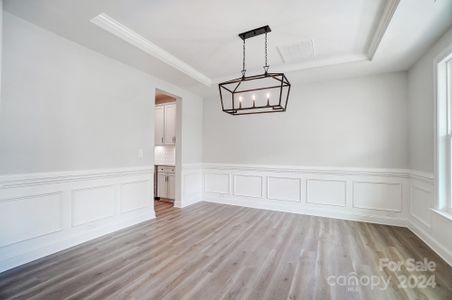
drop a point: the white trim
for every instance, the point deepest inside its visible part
(378, 183)
(29, 179)
(428, 228)
(413, 213)
(404, 173)
(70, 233)
(311, 211)
(422, 176)
(427, 238)
(381, 27)
(442, 183)
(118, 29)
(442, 213)
(234, 184)
(268, 191)
(326, 180)
(346, 176)
(109, 24)
(379, 31)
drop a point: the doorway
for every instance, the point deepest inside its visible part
(165, 151)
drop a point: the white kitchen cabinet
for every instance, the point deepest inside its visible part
(162, 186)
(165, 124)
(159, 124)
(171, 186)
(170, 124)
(166, 182)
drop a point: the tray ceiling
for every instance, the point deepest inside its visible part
(195, 43)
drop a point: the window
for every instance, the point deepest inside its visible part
(448, 90)
(444, 133)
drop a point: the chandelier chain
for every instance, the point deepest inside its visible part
(266, 67)
(243, 63)
(266, 46)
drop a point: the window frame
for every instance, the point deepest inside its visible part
(443, 130)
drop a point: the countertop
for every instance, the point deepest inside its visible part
(165, 165)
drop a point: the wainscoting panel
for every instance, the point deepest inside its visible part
(385, 196)
(284, 188)
(135, 195)
(192, 185)
(248, 186)
(421, 203)
(326, 192)
(429, 224)
(92, 204)
(216, 183)
(41, 214)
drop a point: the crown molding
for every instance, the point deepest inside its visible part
(114, 27)
(109, 24)
(378, 31)
(381, 27)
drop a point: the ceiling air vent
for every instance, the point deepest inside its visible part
(301, 50)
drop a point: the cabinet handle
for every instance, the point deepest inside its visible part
(174, 139)
(162, 139)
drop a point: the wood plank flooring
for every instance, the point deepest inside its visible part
(211, 251)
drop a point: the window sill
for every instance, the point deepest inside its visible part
(445, 214)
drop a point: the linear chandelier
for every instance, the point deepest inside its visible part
(256, 94)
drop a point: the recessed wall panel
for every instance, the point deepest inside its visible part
(29, 217)
(420, 204)
(377, 196)
(92, 204)
(135, 195)
(326, 192)
(216, 183)
(248, 186)
(284, 189)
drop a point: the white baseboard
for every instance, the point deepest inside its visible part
(313, 212)
(436, 246)
(44, 213)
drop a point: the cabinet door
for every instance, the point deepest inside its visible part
(171, 187)
(159, 125)
(170, 124)
(162, 186)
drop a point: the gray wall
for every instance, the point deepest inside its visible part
(421, 107)
(357, 122)
(65, 107)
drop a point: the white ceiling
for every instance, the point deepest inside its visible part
(193, 43)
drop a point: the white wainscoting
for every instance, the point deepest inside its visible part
(394, 197)
(44, 213)
(326, 192)
(379, 196)
(385, 196)
(432, 227)
(191, 187)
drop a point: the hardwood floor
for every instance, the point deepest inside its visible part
(212, 251)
